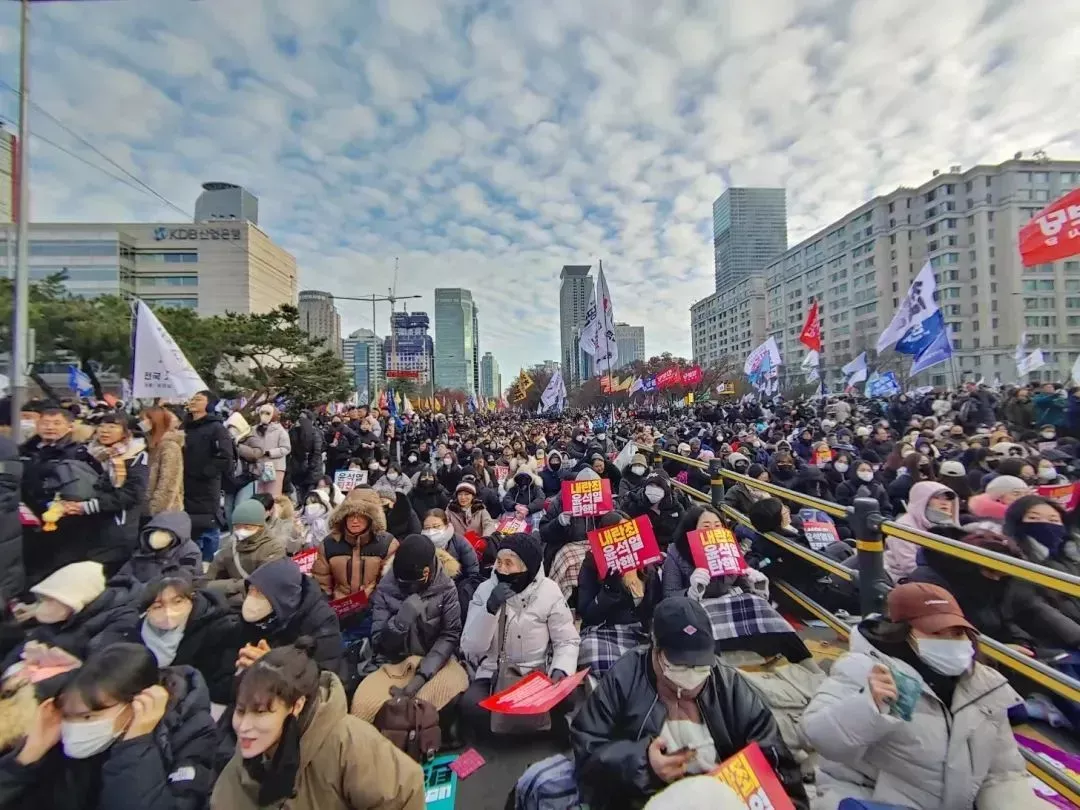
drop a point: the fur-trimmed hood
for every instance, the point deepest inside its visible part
(364, 502)
(522, 470)
(449, 564)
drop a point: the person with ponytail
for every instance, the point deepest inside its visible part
(296, 744)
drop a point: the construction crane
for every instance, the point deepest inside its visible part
(392, 297)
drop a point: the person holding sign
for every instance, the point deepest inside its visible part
(670, 710)
(681, 575)
(909, 717)
(657, 499)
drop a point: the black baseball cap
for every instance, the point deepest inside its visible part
(683, 632)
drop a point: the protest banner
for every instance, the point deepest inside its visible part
(1053, 233)
(305, 560)
(717, 551)
(668, 377)
(533, 694)
(692, 376)
(587, 498)
(348, 480)
(501, 472)
(819, 529)
(440, 783)
(1064, 495)
(1063, 760)
(749, 774)
(626, 546)
(823, 455)
(348, 605)
(513, 524)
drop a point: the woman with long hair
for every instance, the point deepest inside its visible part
(165, 452)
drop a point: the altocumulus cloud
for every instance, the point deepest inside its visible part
(487, 142)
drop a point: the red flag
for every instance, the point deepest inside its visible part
(810, 336)
(1053, 233)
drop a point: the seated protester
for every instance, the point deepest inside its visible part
(782, 468)
(438, 530)
(914, 468)
(401, 518)
(1048, 473)
(352, 556)
(427, 493)
(298, 747)
(467, 514)
(281, 605)
(737, 495)
(329, 492)
(604, 468)
(121, 735)
(449, 472)
(811, 481)
(616, 612)
(559, 529)
(633, 477)
(1039, 526)
(487, 496)
(671, 710)
(517, 618)
(956, 750)
(78, 611)
(116, 508)
(953, 475)
(994, 502)
(280, 520)
(189, 627)
(415, 630)
(165, 545)
(657, 500)
(836, 471)
(525, 495)
(314, 520)
(551, 474)
(860, 475)
(242, 551)
(679, 564)
(932, 506)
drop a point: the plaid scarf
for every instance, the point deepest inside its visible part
(738, 615)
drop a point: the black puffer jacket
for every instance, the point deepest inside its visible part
(171, 768)
(12, 573)
(425, 497)
(181, 556)
(664, 517)
(212, 639)
(611, 734)
(608, 603)
(434, 635)
(209, 454)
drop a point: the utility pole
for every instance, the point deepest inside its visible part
(20, 333)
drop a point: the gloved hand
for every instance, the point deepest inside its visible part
(757, 582)
(557, 675)
(699, 581)
(564, 518)
(411, 688)
(411, 609)
(499, 594)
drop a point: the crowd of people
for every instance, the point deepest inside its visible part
(204, 612)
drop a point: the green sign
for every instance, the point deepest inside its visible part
(440, 783)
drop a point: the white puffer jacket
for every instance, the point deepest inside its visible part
(932, 762)
(536, 619)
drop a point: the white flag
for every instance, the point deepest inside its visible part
(1076, 371)
(554, 393)
(161, 370)
(856, 370)
(917, 306)
(1033, 362)
(810, 365)
(598, 333)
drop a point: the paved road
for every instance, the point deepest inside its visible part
(507, 759)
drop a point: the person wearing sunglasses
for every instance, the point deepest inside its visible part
(930, 506)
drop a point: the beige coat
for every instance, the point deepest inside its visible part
(345, 764)
(165, 488)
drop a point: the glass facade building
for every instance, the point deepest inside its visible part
(749, 231)
(455, 340)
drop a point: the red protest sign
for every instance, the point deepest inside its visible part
(626, 546)
(501, 472)
(305, 560)
(751, 776)
(587, 498)
(717, 551)
(512, 524)
(533, 694)
(819, 529)
(1064, 495)
(1053, 233)
(667, 378)
(692, 376)
(823, 455)
(348, 605)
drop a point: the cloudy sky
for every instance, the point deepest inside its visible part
(488, 142)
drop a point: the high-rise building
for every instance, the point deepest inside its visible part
(490, 378)
(320, 319)
(728, 324)
(476, 348)
(226, 202)
(362, 353)
(965, 223)
(630, 341)
(749, 231)
(409, 351)
(8, 192)
(455, 340)
(575, 293)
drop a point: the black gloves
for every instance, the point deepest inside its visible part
(557, 675)
(499, 594)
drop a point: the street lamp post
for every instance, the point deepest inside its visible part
(20, 333)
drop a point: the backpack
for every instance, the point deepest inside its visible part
(412, 725)
(550, 784)
(70, 480)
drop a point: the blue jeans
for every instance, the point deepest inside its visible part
(209, 541)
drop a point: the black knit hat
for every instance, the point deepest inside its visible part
(415, 553)
(527, 549)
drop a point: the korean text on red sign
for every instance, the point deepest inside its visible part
(587, 498)
(717, 551)
(626, 546)
(1053, 233)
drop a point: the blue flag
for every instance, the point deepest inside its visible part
(79, 382)
(883, 385)
(918, 338)
(937, 352)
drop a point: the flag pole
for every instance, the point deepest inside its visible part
(821, 358)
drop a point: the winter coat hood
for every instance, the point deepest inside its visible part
(364, 502)
(919, 497)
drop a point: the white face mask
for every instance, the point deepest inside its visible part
(654, 494)
(439, 537)
(1047, 473)
(637, 469)
(865, 475)
(145, 426)
(265, 418)
(159, 539)
(840, 467)
(412, 459)
(391, 476)
(601, 436)
(255, 608)
(1049, 434)
(447, 462)
(27, 427)
(948, 656)
(85, 740)
(685, 678)
(243, 534)
(315, 510)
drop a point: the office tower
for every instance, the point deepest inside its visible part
(362, 354)
(409, 351)
(490, 379)
(749, 231)
(476, 348)
(575, 293)
(631, 343)
(455, 339)
(226, 202)
(320, 319)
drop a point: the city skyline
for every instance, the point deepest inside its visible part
(488, 145)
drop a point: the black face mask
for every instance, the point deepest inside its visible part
(554, 464)
(413, 586)
(517, 582)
